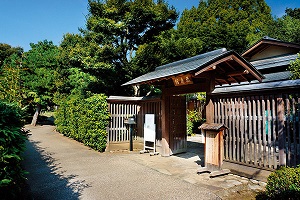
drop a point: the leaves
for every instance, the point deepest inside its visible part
(12, 143)
(230, 24)
(295, 68)
(84, 119)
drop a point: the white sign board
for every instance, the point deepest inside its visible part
(149, 132)
(149, 118)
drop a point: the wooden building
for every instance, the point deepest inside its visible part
(263, 118)
(251, 94)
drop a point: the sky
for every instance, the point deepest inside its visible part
(28, 21)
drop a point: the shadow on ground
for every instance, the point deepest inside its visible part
(45, 178)
(194, 149)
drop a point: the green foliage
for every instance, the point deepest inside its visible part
(12, 140)
(295, 68)
(114, 31)
(194, 120)
(84, 119)
(233, 24)
(283, 184)
(287, 27)
(41, 63)
(6, 51)
(11, 89)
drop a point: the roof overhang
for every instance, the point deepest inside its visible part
(266, 42)
(227, 66)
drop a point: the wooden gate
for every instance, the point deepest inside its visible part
(178, 138)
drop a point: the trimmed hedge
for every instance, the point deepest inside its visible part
(12, 144)
(84, 120)
(283, 184)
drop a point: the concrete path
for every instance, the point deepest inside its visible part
(61, 168)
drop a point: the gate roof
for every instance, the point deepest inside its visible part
(229, 66)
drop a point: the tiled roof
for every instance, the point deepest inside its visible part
(274, 62)
(179, 67)
(258, 87)
(274, 80)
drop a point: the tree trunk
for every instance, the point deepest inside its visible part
(36, 114)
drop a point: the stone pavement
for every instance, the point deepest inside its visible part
(184, 167)
(61, 168)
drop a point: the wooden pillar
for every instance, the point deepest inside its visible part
(165, 108)
(210, 111)
(281, 131)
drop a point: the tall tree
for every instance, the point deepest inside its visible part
(233, 24)
(118, 28)
(167, 47)
(39, 78)
(287, 28)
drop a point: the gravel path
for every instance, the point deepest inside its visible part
(61, 168)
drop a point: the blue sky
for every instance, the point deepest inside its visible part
(29, 21)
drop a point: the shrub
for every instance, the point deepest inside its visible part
(194, 120)
(284, 184)
(12, 143)
(84, 119)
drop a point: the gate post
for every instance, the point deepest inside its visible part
(165, 123)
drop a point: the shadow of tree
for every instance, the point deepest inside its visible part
(45, 178)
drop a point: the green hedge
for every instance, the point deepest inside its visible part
(84, 120)
(283, 184)
(12, 144)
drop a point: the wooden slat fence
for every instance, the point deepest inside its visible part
(119, 132)
(264, 130)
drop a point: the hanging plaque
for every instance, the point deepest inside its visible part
(182, 80)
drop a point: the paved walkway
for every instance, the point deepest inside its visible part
(61, 168)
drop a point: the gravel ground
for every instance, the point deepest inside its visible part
(61, 168)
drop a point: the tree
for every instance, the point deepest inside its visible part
(40, 75)
(11, 89)
(294, 13)
(295, 68)
(233, 24)
(115, 29)
(287, 28)
(167, 47)
(6, 51)
(80, 56)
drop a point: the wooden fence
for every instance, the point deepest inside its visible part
(264, 131)
(118, 132)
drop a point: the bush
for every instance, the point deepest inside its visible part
(284, 184)
(12, 144)
(194, 120)
(84, 119)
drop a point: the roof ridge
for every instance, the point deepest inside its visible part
(197, 57)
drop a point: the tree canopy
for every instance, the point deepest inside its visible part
(114, 31)
(233, 24)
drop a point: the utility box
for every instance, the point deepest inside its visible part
(214, 148)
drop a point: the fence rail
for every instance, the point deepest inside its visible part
(264, 130)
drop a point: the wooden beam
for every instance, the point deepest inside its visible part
(237, 73)
(247, 68)
(213, 65)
